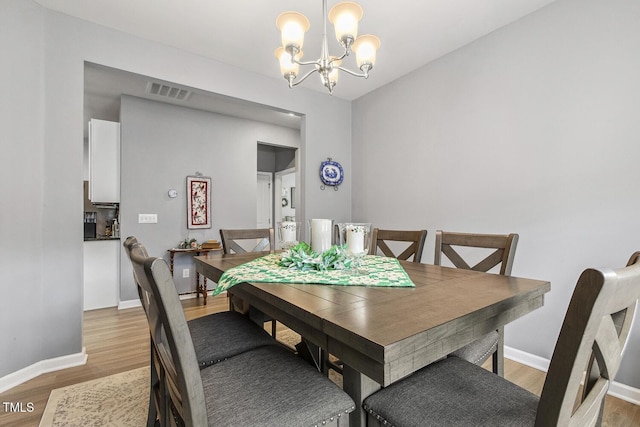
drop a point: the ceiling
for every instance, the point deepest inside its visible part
(243, 32)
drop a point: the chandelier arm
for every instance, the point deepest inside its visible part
(340, 58)
(317, 62)
(303, 78)
(353, 73)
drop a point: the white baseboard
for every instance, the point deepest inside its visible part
(42, 367)
(132, 303)
(616, 389)
(624, 392)
(531, 360)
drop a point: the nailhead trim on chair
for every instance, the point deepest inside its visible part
(324, 422)
(378, 416)
(484, 356)
(211, 362)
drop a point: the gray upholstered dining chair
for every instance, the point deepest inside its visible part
(454, 392)
(215, 337)
(380, 240)
(260, 387)
(490, 251)
(247, 240)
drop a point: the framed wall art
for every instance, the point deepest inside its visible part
(198, 202)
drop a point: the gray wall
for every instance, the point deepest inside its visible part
(23, 277)
(275, 159)
(266, 161)
(42, 118)
(285, 159)
(532, 129)
(161, 145)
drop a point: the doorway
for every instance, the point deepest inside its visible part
(278, 175)
(285, 186)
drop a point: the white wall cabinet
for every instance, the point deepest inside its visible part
(104, 161)
(101, 273)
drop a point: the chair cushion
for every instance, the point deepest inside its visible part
(270, 386)
(453, 392)
(221, 335)
(479, 350)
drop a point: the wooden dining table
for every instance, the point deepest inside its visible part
(382, 334)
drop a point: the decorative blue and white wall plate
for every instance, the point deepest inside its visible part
(331, 173)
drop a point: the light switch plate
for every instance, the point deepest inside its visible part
(147, 218)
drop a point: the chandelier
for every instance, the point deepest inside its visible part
(344, 16)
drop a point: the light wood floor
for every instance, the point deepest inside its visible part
(118, 341)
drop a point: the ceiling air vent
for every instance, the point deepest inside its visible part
(167, 91)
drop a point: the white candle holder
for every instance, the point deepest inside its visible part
(356, 237)
(289, 234)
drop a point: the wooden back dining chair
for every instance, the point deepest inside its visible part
(216, 336)
(502, 246)
(380, 240)
(156, 392)
(501, 249)
(454, 392)
(237, 241)
(267, 385)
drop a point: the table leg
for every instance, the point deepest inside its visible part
(359, 387)
(171, 263)
(202, 289)
(312, 354)
(198, 282)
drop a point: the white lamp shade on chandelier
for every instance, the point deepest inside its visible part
(334, 73)
(366, 48)
(292, 26)
(287, 66)
(345, 17)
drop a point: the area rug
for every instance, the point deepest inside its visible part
(119, 400)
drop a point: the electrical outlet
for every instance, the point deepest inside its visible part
(185, 272)
(147, 218)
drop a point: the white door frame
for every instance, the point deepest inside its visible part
(269, 199)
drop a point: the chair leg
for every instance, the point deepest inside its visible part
(153, 410)
(159, 400)
(498, 356)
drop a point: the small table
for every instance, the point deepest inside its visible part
(200, 289)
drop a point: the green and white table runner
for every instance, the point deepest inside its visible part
(380, 271)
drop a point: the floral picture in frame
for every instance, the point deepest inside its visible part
(198, 202)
